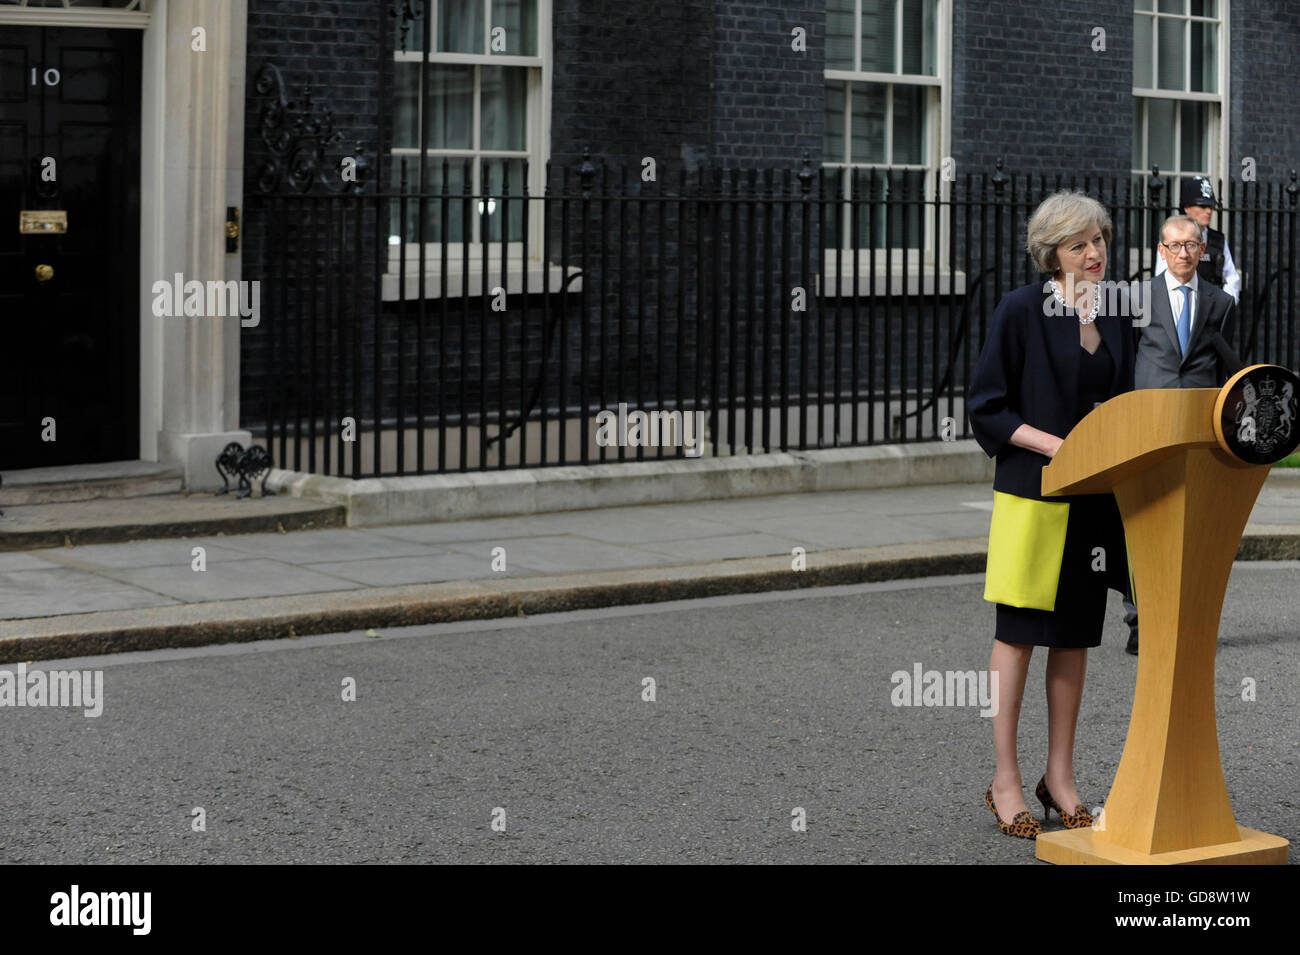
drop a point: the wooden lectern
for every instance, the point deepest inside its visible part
(1174, 461)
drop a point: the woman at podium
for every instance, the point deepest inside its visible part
(1055, 349)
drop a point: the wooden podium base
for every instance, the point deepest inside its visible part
(1081, 847)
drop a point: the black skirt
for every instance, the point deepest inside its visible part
(1094, 522)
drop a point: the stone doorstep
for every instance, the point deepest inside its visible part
(85, 482)
(105, 470)
(523, 491)
(97, 521)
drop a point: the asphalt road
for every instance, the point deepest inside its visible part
(763, 704)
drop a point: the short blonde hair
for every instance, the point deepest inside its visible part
(1059, 216)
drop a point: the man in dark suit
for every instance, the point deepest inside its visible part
(1183, 344)
(1177, 349)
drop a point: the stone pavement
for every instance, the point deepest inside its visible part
(100, 598)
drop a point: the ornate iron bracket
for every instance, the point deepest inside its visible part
(1155, 185)
(299, 134)
(247, 464)
(1000, 178)
(409, 11)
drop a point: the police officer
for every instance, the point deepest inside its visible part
(1216, 266)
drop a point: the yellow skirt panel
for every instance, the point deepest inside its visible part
(1026, 545)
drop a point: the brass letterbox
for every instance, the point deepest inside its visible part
(42, 221)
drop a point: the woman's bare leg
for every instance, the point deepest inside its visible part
(1010, 661)
(1066, 669)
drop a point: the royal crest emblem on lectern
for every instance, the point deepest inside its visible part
(1259, 414)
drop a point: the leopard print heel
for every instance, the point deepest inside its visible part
(1079, 819)
(1023, 825)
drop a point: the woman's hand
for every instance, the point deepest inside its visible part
(1032, 439)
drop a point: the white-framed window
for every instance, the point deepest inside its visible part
(1179, 89)
(887, 84)
(484, 99)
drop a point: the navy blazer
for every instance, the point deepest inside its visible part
(1028, 373)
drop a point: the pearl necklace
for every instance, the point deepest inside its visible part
(1092, 313)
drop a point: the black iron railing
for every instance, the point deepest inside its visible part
(794, 308)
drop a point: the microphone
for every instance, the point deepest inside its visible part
(1232, 362)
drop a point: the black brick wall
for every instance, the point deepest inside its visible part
(333, 47)
(768, 100)
(1265, 38)
(708, 81)
(1027, 86)
(631, 80)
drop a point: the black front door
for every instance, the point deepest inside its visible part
(69, 315)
